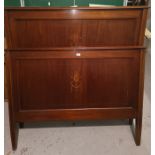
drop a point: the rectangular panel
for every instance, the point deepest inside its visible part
(46, 33)
(42, 82)
(68, 28)
(76, 114)
(110, 32)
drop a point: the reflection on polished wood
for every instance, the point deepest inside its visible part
(75, 64)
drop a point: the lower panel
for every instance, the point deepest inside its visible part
(75, 79)
(76, 114)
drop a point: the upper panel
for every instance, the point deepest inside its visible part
(74, 27)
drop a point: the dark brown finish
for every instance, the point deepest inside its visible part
(140, 100)
(12, 120)
(75, 64)
(76, 114)
(5, 84)
(79, 81)
(76, 26)
(5, 80)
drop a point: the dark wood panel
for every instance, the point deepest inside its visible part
(76, 114)
(72, 53)
(75, 28)
(74, 48)
(47, 33)
(45, 80)
(51, 33)
(109, 32)
(75, 13)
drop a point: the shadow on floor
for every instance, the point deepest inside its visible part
(76, 124)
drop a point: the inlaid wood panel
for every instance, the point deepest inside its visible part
(75, 28)
(47, 33)
(109, 32)
(51, 82)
